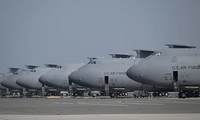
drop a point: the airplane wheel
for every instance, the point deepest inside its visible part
(112, 95)
(166, 94)
(197, 94)
(154, 94)
(182, 95)
(160, 94)
(103, 94)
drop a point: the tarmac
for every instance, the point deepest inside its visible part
(96, 108)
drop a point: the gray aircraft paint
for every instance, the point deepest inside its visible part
(58, 77)
(92, 74)
(31, 79)
(2, 76)
(10, 80)
(158, 68)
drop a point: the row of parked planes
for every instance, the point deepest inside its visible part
(174, 69)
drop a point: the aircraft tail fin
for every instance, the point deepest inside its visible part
(143, 53)
(13, 70)
(121, 55)
(31, 66)
(180, 46)
(53, 66)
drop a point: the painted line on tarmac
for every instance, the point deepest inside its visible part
(104, 117)
(102, 104)
(63, 103)
(86, 103)
(135, 103)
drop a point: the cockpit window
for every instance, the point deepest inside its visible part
(33, 71)
(92, 62)
(156, 54)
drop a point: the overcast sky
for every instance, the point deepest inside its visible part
(67, 31)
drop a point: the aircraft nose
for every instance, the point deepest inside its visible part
(21, 82)
(78, 77)
(74, 77)
(135, 73)
(4, 83)
(43, 79)
(10, 82)
(29, 82)
(84, 77)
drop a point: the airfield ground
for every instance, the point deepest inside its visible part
(96, 108)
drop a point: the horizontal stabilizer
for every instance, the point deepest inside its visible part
(13, 70)
(143, 53)
(180, 46)
(121, 55)
(31, 66)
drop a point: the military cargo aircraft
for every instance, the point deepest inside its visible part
(2, 76)
(58, 78)
(177, 68)
(109, 74)
(2, 88)
(30, 80)
(10, 78)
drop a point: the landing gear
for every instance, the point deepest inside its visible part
(78, 93)
(197, 94)
(185, 94)
(43, 91)
(117, 94)
(160, 94)
(182, 95)
(113, 95)
(70, 89)
(3, 93)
